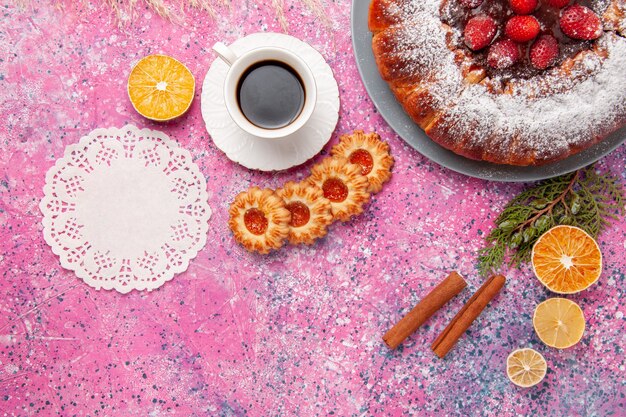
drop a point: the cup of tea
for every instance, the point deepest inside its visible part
(269, 92)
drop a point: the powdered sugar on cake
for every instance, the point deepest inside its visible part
(546, 116)
(431, 60)
(569, 111)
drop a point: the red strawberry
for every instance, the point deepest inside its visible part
(523, 6)
(503, 54)
(471, 4)
(544, 51)
(558, 3)
(479, 32)
(522, 28)
(580, 22)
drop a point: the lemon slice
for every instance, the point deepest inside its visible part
(559, 322)
(566, 260)
(160, 87)
(526, 367)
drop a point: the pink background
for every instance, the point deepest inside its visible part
(294, 333)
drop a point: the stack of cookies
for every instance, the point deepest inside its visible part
(337, 189)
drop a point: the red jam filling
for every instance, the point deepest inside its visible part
(300, 214)
(335, 190)
(364, 159)
(255, 221)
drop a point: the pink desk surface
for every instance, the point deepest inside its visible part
(294, 333)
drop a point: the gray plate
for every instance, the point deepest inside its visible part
(394, 114)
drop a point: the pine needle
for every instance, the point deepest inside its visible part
(279, 9)
(317, 8)
(585, 198)
(125, 10)
(200, 5)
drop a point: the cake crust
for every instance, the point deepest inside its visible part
(483, 115)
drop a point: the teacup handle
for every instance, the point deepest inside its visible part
(225, 53)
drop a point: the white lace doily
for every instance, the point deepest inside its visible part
(125, 209)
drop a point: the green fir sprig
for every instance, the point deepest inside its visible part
(585, 198)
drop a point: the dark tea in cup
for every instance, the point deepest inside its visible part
(270, 94)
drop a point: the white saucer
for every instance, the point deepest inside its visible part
(271, 154)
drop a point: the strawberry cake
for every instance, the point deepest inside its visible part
(517, 82)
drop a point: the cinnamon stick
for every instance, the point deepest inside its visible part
(464, 318)
(440, 295)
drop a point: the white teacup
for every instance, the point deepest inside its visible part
(239, 65)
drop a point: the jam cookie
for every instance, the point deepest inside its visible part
(259, 220)
(368, 151)
(310, 211)
(343, 184)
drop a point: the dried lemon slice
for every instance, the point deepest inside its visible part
(160, 87)
(526, 367)
(566, 260)
(559, 322)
